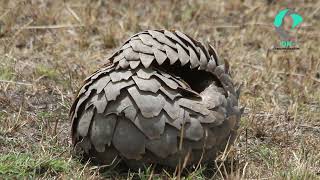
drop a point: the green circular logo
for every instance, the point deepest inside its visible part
(278, 22)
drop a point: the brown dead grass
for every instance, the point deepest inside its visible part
(48, 47)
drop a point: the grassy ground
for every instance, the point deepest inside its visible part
(48, 47)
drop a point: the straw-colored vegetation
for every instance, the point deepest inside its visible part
(48, 47)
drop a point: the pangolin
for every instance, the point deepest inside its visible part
(161, 98)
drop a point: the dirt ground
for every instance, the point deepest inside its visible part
(48, 47)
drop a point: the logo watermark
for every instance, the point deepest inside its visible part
(286, 22)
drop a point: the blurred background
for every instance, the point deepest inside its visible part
(48, 47)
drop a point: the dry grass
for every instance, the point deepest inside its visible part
(48, 47)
